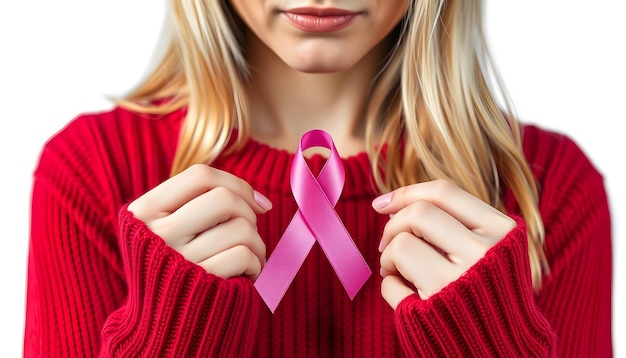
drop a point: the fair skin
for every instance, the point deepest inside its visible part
(304, 80)
(436, 230)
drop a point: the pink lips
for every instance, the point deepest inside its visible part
(320, 20)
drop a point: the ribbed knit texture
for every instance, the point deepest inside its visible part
(100, 283)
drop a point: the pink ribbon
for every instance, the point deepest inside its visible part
(316, 219)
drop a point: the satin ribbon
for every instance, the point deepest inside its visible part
(315, 220)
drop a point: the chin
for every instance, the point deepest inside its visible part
(320, 56)
(314, 64)
(321, 68)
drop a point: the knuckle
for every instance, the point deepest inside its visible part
(245, 229)
(251, 238)
(403, 192)
(400, 244)
(244, 253)
(200, 171)
(443, 188)
(202, 174)
(244, 187)
(509, 225)
(480, 248)
(137, 208)
(385, 286)
(224, 196)
(142, 207)
(209, 266)
(420, 208)
(156, 226)
(262, 247)
(165, 228)
(254, 269)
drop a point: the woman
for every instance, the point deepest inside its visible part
(151, 222)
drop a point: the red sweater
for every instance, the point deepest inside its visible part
(100, 283)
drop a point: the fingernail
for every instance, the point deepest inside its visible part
(380, 247)
(382, 201)
(262, 200)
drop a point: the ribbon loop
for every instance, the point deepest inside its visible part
(315, 220)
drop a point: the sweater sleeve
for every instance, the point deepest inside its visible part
(174, 308)
(100, 283)
(492, 309)
(576, 295)
(488, 312)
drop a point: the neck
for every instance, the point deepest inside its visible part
(285, 103)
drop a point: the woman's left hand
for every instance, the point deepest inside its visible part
(437, 231)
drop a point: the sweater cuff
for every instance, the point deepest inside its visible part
(175, 308)
(488, 311)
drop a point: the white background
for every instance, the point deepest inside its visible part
(563, 62)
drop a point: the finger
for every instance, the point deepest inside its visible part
(394, 290)
(233, 262)
(173, 193)
(419, 263)
(427, 221)
(200, 214)
(222, 237)
(466, 208)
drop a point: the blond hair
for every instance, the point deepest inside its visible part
(433, 107)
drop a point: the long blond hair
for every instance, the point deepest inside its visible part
(433, 106)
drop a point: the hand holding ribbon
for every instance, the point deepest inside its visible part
(315, 220)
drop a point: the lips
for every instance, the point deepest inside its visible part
(320, 20)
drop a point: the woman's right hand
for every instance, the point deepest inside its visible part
(209, 216)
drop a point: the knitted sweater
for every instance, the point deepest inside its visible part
(101, 283)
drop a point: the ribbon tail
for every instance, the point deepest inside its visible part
(286, 259)
(327, 227)
(345, 258)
